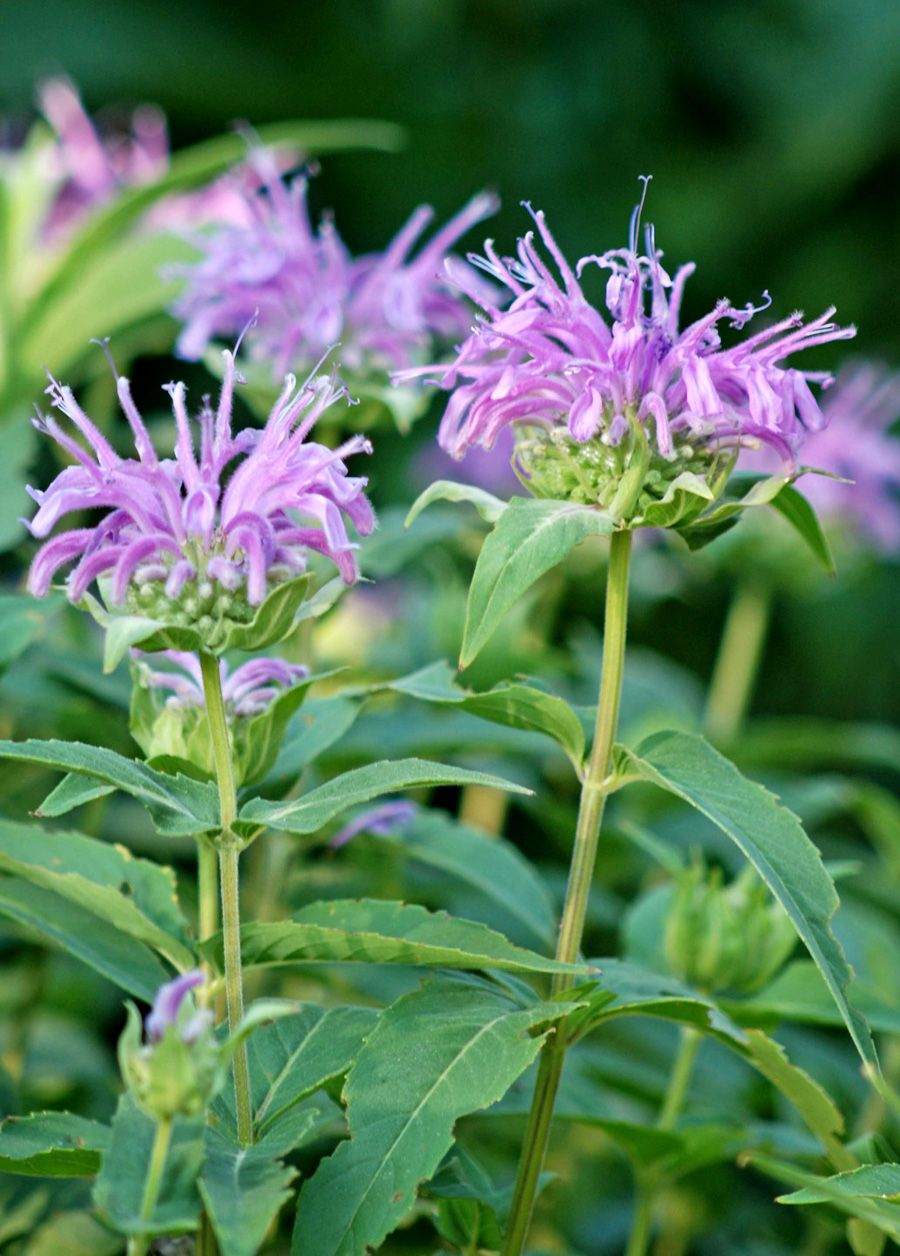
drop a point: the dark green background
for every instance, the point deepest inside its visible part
(772, 130)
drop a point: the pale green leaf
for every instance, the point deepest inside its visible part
(52, 1144)
(488, 506)
(244, 1189)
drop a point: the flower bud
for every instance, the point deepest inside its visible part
(173, 1065)
(725, 937)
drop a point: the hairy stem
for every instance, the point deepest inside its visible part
(139, 1243)
(587, 832)
(229, 854)
(737, 663)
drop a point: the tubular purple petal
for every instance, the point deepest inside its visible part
(168, 1001)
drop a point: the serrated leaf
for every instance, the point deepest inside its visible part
(490, 865)
(884, 1215)
(71, 792)
(321, 723)
(311, 812)
(512, 705)
(115, 955)
(531, 536)
(244, 1189)
(180, 807)
(119, 1189)
(402, 1102)
(488, 506)
(377, 932)
(298, 1054)
(52, 1144)
(133, 895)
(772, 839)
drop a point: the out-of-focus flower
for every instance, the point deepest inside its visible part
(386, 309)
(382, 821)
(247, 691)
(91, 168)
(860, 409)
(490, 469)
(167, 1006)
(195, 535)
(579, 386)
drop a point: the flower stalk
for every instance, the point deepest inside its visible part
(590, 814)
(229, 854)
(737, 662)
(138, 1244)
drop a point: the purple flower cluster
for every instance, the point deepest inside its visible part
(196, 518)
(247, 690)
(309, 292)
(550, 359)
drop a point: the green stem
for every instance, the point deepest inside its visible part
(207, 892)
(680, 1079)
(737, 662)
(229, 854)
(587, 832)
(138, 1243)
(676, 1093)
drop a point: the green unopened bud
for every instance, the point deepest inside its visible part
(725, 937)
(175, 1073)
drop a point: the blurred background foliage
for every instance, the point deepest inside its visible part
(772, 130)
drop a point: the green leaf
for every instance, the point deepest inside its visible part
(869, 1181)
(795, 508)
(773, 840)
(322, 722)
(491, 866)
(298, 1054)
(799, 994)
(115, 955)
(133, 895)
(180, 807)
(377, 932)
(837, 1191)
(623, 988)
(744, 489)
(531, 536)
(243, 1188)
(313, 812)
(488, 506)
(119, 1189)
(72, 1234)
(513, 705)
(22, 619)
(19, 444)
(71, 792)
(52, 1144)
(402, 1103)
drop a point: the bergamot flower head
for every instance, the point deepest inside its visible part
(614, 407)
(202, 537)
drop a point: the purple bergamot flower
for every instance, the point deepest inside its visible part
(167, 1005)
(382, 820)
(386, 309)
(205, 535)
(247, 691)
(591, 394)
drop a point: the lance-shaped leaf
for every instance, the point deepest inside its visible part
(773, 840)
(90, 938)
(798, 512)
(244, 1189)
(377, 932)
(321, 723)
(488, 506)
(52, 1144)
(296, 1055)
(798, 994)
(133, 895)
(71, 792)
(494, 868)
(844, 1191)
(513, 705)
(179, 806)
(119, 1189)
(402, 1103)
(531, 536)
(315, 809)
